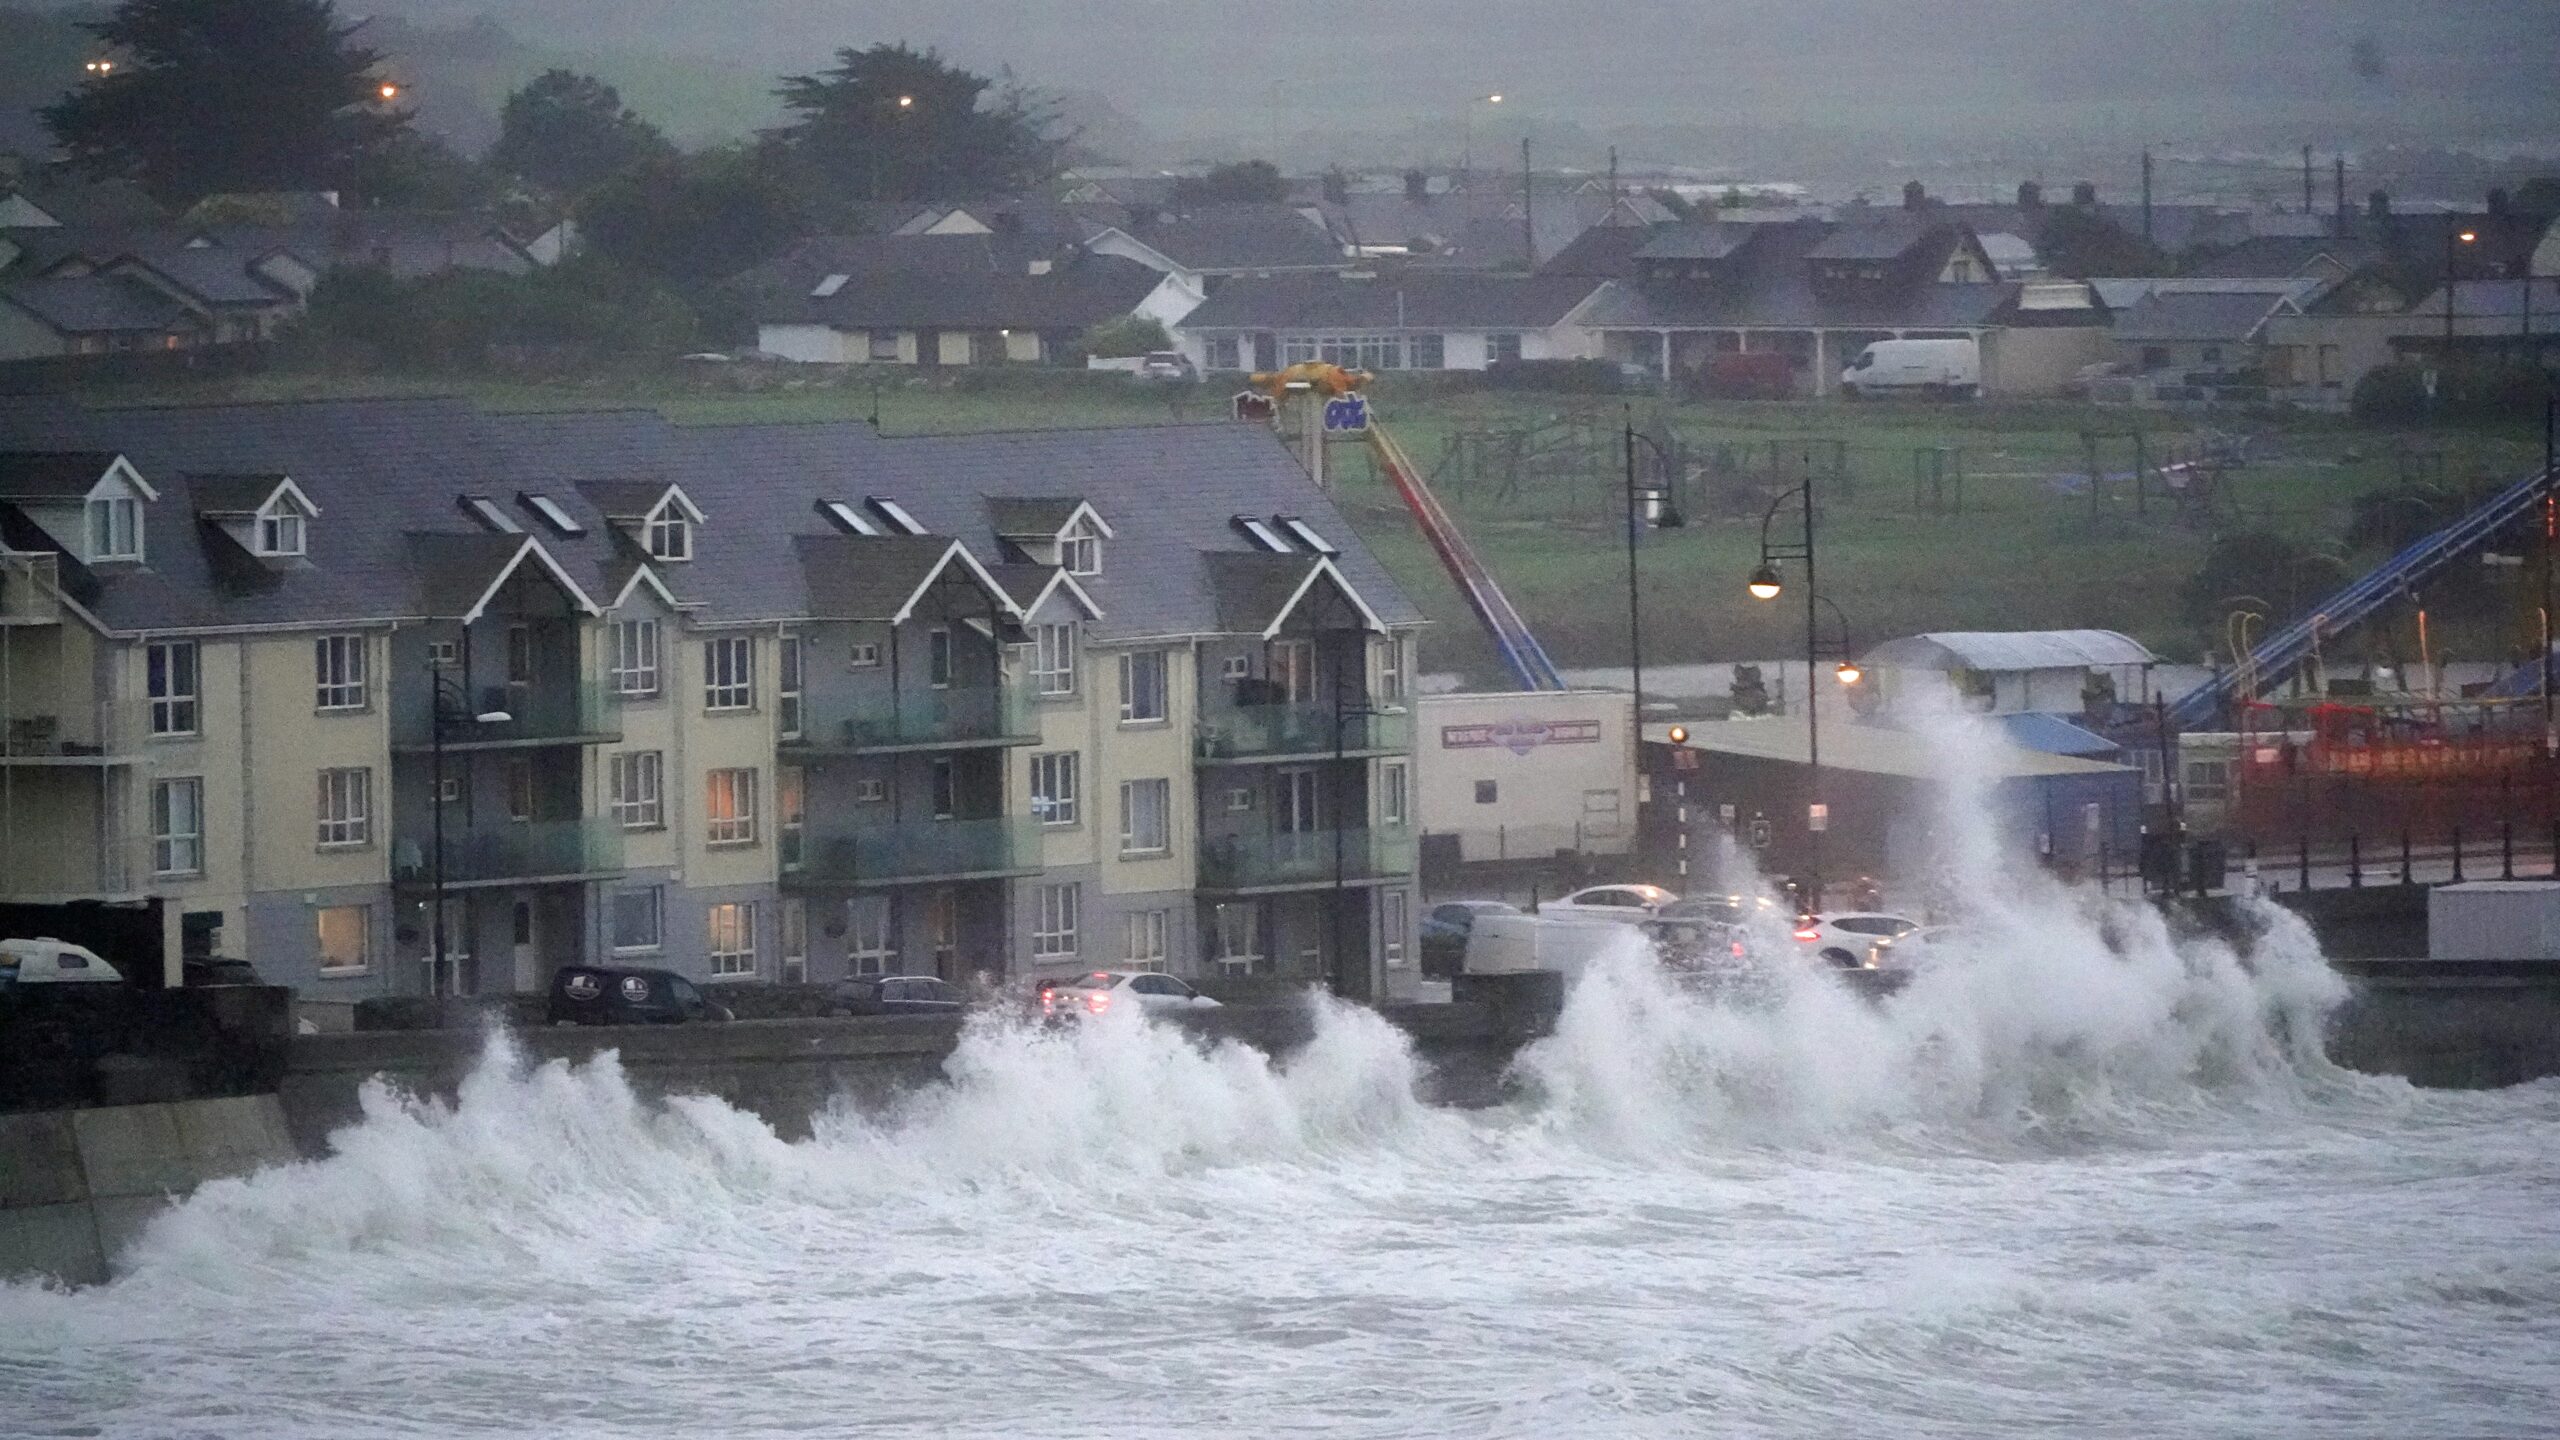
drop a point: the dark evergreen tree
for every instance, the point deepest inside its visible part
(567, 132)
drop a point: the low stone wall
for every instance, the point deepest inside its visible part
(63, 1046)
(76, 1186)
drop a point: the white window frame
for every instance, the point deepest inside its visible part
(1055, 786)
(656, 897)
(790, 813)
(1395, 920)
(870, 939)
(668, 533)
(728, 674)
(1395, 795)
(1137, 796)
(792, 921)
(1391, 672)
(637, 789)
(363, 962)
(115, 528)
(1053, 663)
(1080, 549)
(174, 711)
(1133, 663)
(340, 682)
(791, 659)
(870, 790)
(281, 530)
(636, 657)
(1231, 957)
(738, 826)
(177, 839)
(941, 660)
(729, 938)
(345, 808)
(863, 655)
(1148, 936)
(1236, 667)
(1058, 909)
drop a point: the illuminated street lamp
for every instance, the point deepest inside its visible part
(1766, 583)
(388, 91)
(1467, 152)
(99, 67)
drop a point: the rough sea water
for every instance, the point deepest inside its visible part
(2089, 1181)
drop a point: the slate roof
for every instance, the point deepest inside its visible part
(2176, 318)
(2279, 256)
(52, 475)
(1240, 237)
(1695, 240)
(865, 577)
(98, 305)
(233, 494)
(1031, 517)
(1075, 295)
(1886, 236)
(213, 274)
(389, 472)
(1769, 283)
(1429, 300)
(1603, 252)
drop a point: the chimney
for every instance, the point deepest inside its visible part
(2378, 205)
(1417, 186)
(2030, 196)
(2085, 195)
(1914, 195)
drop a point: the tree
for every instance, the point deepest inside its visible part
(228, 95)
(1126, 336)
(568, 132)
(2080, 242)
(691, 221)
(891, 123)
(1244, 182)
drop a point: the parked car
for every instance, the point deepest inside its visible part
(1445, 928)
(1168, 367)
(1845, 937)
(1632, 904)
(47, 961)
(1105, 990)
(899, 995)
(614, 995)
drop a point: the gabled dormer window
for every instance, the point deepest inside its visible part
(282, 525)
(669, 533)
(1080, 550)
(115, 528)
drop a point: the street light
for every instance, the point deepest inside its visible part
(1652, 507)
(2444, 367)
(99, 67)
(1766, 583)
(440, 687)
(388, 91)
(1467, 152)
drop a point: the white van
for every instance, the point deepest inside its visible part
(1915, 367)
(52, 962)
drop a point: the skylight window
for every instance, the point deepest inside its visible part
(847, 518)
(830, 285)
(1307, 535)
(897, 515)
(552, 514)
(486, 511)
(1261, 533)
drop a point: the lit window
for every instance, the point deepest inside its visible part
(635, 657)
(729, 807)
(1053, 666)
(1054, 935)
(115, 528)
(729, 934)
(177, 827)
(1053, 788)
(1145, 817)
(1142, 687)
(339, 665)
(345, 938)
(729, 673)
(346, 808)
(172, 679)
(638, 779)
(639, 919)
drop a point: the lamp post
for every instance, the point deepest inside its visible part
(2550, 538)
(2444, 367)
(1467, 150)
(1767, 583)
(1667, 517)
(440, 686)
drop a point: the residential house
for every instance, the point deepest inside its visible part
(1411, 320)
(1488, 222)
(778, 702)
(969, 299)
(2203, 343)
(1206, 245)
(2340, 336)
(94, 314)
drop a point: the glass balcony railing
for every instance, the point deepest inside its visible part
(1303, 858)
(552, 711)
(1250, 732)
(491, 853)
(54, 732)
(964, 715)
(919, 850)
(56, 868)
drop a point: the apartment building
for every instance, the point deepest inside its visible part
(776, 702)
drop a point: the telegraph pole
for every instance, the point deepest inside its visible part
(1528, 206)
(2307, 200)
(2146, 195)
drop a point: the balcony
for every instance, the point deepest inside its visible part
(557, 713)
(1304, 860)
(52, 868)
(1249, 733)
(77, 736)
(970, 715)
(916, 852)
(512, 853)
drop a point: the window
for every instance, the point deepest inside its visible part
(1145, 807)
(1053, 665)
(729, 933)
(1392, 804)
(1428, 352)
(638, 789)
(1294, 802)
(1080, 550)
(280, 532)
(177, 827)
(1146, 931)
(729, 807)
(669, 534)
(1236, 667)
(937, 658)
(639, 919)
(791, 806)
(486, 511)
(865, 655)
(1235, 938)
(1055, 934)
(553, 514)
(443, 654)
(449, 790)
(2208, 781)
(1239, 799)
(787, 700)
(870, 790)
(1142, 687)
(1053, 787)
(346, 808)
(519, 656)
(172, 681)
(345, 935)
(946, 789)
(520, 790)
(115, 528)
(635, 657)
(896, 514)
(1391, 672)
(795, 942)
(729, 673)
(1293, 670)
(884, 345)
(1503, 349)
(942, 928)
(339, 663)
(1225, 353)
(1488, 792)
(846, 518)
(1307, 535)
(869, 948)
(1391, 925)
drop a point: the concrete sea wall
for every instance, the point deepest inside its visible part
(76, 1186)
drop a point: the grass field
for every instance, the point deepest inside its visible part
(2027, 548)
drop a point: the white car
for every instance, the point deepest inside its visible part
(1628, 904)
(53, 962)
(1847, 938)
(1914, 949)
(1103, 991)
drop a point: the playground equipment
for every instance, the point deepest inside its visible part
(1330, 401)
